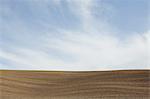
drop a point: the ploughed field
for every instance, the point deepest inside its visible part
(123, 84)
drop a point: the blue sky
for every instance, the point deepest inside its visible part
(74, 34)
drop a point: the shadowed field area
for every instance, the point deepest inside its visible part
(124, 84)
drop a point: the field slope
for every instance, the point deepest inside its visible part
(124, 84)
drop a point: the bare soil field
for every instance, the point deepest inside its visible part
(122, 84)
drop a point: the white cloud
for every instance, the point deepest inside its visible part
(89, 53)
(83, 9)
(104, 51)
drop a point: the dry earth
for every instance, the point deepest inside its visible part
(125, 84)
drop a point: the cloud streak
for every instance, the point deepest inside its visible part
(93, 46)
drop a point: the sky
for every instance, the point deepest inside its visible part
(72, 35)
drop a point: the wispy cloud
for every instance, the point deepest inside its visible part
(45, 45)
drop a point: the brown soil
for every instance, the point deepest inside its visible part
(125, 84)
